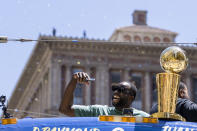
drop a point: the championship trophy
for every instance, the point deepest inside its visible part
(173, 61)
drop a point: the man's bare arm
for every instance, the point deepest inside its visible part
(67, 100)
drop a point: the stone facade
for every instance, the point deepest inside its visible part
(48, 71)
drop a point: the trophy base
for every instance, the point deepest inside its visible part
(168, 116)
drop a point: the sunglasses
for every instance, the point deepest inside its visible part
(121, 89)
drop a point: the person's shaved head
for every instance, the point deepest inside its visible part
(123, 94)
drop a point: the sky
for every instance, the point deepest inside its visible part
(31, 18)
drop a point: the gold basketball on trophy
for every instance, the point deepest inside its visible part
(173, 60)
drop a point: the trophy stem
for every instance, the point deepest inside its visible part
(167, 88)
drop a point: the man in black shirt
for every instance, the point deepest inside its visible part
(184, 106)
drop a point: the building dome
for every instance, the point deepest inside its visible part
(141, 32)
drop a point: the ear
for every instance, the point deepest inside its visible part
(132, 98)
(181, 93)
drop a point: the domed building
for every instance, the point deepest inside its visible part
(140, 32)
(131, 54)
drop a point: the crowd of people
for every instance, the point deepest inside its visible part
(122, 97)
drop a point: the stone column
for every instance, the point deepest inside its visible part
(45, 87)
(102, 85)
(40, 99)
(98, 86)
(147, 92)
(87, 90)
(68, 74)
(55, 85)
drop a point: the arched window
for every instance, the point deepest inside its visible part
(156, 39)
(146, 39)
(137, 38)
(166, 39)
(127, 38)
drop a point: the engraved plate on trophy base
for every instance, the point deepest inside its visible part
(168, 116)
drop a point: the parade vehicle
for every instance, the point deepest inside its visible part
(101, 123)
